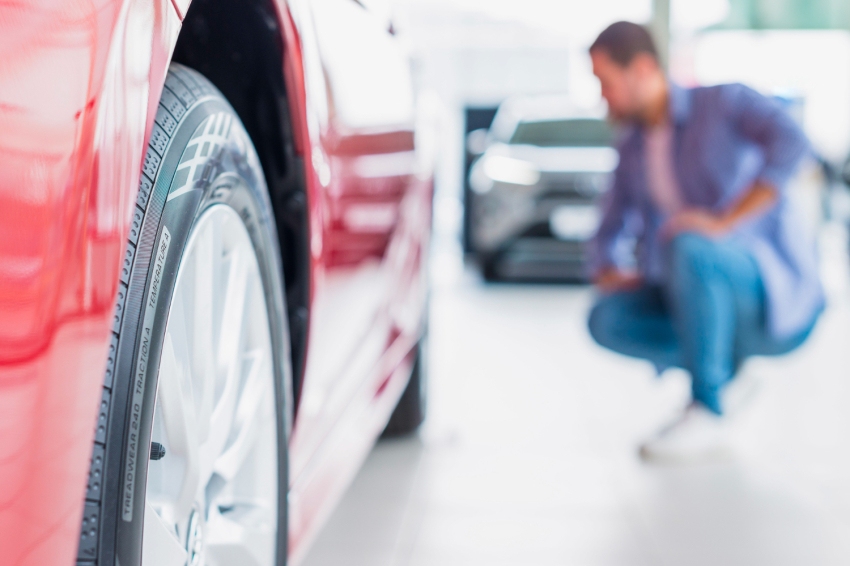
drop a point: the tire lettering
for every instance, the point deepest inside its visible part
(140, 377)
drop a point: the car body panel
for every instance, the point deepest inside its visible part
(75, 86)
(369, 193)
(79, 85)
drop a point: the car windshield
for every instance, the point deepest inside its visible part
(576, 132)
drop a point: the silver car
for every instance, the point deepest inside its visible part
(535, 188)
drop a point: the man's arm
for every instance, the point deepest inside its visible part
(766, 123)
(783, 145)
(617, 206)
(758, 199)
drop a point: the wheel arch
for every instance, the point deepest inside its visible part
(239, 46)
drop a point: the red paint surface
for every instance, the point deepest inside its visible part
(369, 223)
(79, 83)
(72, 122)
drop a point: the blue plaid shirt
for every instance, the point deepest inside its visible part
(725, 138)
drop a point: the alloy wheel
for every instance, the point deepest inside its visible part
(212, 497)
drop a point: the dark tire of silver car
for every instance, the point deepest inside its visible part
(189, 463)
(410, 411)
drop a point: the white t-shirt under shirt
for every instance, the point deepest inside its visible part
(660, 173)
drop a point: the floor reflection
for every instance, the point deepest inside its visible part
(528, 456)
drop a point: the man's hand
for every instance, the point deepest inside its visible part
(695, 220)
(758, 199)
(612, 280)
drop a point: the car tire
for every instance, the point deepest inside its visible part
(490, 267)
(199, 355)
(410, 411)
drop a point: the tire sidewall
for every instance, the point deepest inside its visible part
(231, 177)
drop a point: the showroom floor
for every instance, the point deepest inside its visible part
(528, 455)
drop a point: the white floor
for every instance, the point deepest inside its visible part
(528, 455)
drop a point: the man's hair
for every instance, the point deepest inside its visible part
(622, 41)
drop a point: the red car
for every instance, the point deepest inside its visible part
(213, 234)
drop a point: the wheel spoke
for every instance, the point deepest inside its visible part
(249, 415)
(178, 414)
(160, 546)
(230, 344)
(233, 314)
(202, 327)
(216, 487)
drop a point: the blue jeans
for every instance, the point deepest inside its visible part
(708, 317)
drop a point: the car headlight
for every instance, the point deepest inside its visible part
(510, 170)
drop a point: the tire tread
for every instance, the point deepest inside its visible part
(176, 100)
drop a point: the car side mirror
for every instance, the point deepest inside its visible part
(477, 141)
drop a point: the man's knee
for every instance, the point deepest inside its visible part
(690, 253)
(602, 319)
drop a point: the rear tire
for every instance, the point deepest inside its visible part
(203, 235)
(410, 411)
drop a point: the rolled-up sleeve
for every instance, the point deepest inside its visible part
(763, 121)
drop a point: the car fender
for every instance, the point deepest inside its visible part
(78, 86)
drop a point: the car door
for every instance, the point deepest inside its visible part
(365, 162)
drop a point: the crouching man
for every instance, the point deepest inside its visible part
(725, 267)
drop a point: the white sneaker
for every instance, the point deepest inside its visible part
(697, 436)
(739, 395)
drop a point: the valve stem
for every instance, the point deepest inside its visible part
(157, 451)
